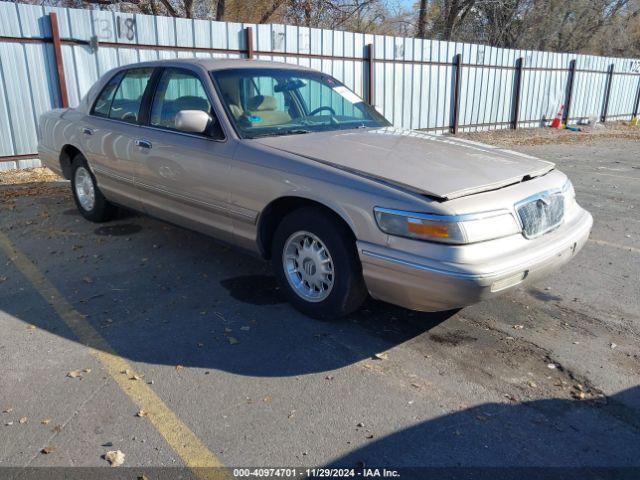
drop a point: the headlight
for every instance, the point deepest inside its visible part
(456, 229)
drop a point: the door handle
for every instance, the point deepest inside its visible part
(87, 131)
(143, 143)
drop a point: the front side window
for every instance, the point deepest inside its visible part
(269, 102)
(128, 97)
(177, 90)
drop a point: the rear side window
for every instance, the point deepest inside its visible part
(126, 102)
(103, 102)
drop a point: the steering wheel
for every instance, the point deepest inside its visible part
(320, 109)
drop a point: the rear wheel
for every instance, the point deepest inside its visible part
(317, 265)
(89, 199)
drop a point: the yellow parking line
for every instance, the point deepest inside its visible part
(614, 245)
(185, 443)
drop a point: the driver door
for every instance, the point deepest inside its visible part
(182, 177)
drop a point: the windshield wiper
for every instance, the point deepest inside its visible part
(295, 131)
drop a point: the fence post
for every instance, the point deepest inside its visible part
(569, 92)
(57, 54)
(248, 35)
(370, 73)
(607, 94)
(516, 93)
(456, 94)
(637, 104)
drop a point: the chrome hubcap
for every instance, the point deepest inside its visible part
(308, 266)
(84, 189)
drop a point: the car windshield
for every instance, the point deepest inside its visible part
(270, 102)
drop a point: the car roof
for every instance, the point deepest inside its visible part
(220, 63)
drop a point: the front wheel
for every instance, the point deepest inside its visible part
(316, 262)
(89, 199)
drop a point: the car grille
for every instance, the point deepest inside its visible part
(541, 215)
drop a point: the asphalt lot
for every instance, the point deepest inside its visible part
(544, 376)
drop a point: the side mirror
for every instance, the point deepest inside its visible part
(192, 121)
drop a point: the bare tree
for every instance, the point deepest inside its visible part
(422, 19)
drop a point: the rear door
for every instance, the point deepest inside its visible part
(110, 130)
(182, 177)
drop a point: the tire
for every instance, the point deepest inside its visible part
(90, 201)
(308, 243)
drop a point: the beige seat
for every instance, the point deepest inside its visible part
(263, 111)
(231, 93)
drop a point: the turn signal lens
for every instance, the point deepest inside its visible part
(405, 224)
(427, 229)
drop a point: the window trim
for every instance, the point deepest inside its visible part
(152, 96)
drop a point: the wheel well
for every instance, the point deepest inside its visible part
(66, 157)
(273, 214)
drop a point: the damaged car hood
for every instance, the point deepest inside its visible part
(438, 166)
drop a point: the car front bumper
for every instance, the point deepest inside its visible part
(425, 283)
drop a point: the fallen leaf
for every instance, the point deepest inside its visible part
(114, 457)
(75, 374)
(45, 421)
(142, 413)
(48, 450)
(233, 340)
(23, 420)
(381, 356)
(579, 395)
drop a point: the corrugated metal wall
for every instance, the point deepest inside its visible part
(413, 82)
